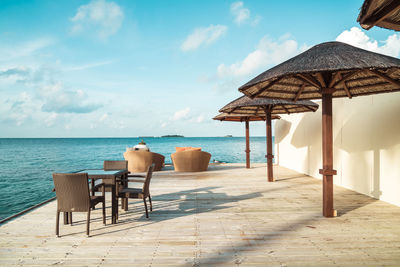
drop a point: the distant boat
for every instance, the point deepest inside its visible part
(172, 135)
(229, 135)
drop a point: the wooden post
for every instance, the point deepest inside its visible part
(327, 155)
(247, 145)
(269, 155)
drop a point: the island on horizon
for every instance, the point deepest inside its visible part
(172, 135)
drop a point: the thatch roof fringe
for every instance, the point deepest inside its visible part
(260, 106)
(342, 67)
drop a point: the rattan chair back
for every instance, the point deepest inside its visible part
(110, 165)
(146, 184)
(72, 191)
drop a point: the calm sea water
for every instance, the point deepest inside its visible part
(27, 164)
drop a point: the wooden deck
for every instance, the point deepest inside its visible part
(226, 216)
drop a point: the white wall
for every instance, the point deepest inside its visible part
(366, 134)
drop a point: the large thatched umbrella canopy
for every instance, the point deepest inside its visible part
(246, 118)
(325, 71)
(266, 107)
(348, 70)
(382, 13)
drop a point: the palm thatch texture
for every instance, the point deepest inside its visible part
(348, 70)
(262, 106)
(326, 71)
(265, 107)
(382, 13)
(246, 118)
(241, 118)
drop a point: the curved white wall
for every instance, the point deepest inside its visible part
(366, 133)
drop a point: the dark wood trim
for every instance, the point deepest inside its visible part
(327, 155)
(346, 89)
(321, 80)
(385, 77)
(265, 88)
(247, 145)
(360, 87)
(380, 14)
(308, 80)
(285, 108)
(345, 78)
(269, 148)
(299, 92)
(334, 78)
(309, 108)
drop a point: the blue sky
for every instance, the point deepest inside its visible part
(106, 68)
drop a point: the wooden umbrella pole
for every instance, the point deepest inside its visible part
(327, 155)
(247, 145)
(269, 155)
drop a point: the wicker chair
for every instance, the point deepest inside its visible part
(72, 192)
(139, 161)
(109, 165)
(190, 161)
(141, 193)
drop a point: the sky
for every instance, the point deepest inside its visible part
(111, 68)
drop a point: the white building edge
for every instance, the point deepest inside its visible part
(366, 140)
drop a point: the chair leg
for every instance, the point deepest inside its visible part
(126, 204)
(104, 211)
(145, 206)
(57, 223)
(70, 218)
(88, 222)
(151, 205)
(65, 215)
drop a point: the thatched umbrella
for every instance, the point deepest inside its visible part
(325, 71)
(382, 13)
(266, 107)
(246, 119)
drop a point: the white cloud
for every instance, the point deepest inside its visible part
(89, 65)
(22, 109)
(103, 117)
(243, 15)
(60, 100)
(181, 114)
(105, 18)
(50, 120)
(268, 52)
(199, 119)
(202, 36)
(14, 51)
(356, 37)
(164, 124)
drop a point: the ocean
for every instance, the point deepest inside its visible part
(27, 164)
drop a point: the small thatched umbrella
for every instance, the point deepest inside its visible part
(246, 119)
(265, 108)
(382, 13)
(328, 70)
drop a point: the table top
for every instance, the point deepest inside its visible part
(100, 172)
